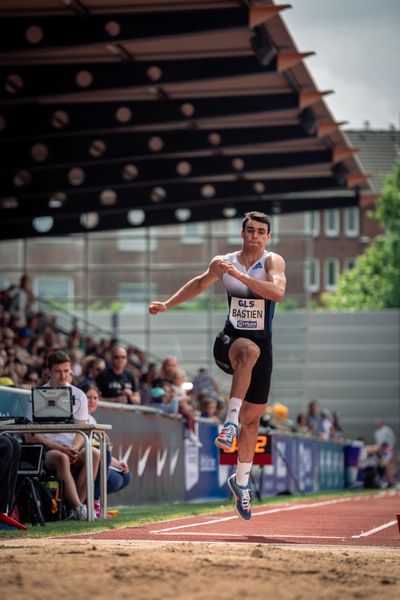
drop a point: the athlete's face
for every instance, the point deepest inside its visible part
(255, 235)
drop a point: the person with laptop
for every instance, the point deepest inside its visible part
(65, 451)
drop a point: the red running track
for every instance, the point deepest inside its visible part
(351, 520)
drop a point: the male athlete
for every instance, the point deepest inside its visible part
(254, 280)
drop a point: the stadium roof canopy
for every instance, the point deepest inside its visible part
(128, 113)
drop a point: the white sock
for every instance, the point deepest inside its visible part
(243, 473)
(232, 416)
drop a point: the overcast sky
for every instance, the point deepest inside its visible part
(357, 45)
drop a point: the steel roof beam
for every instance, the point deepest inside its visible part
(160, 169)
(27, 81)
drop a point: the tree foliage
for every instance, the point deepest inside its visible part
(374, 282)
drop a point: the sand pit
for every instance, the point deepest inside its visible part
(106, 569)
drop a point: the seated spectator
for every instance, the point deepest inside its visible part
(163, 399)
(147, 381)
(118, 474)
(205, 384)
(385, 441)
(178, 378)
(91, 367)
(326, 429)
(10, 453)
(31, 379)
(314, 417)
(209, 408)
(115, 383)
(167, 371)
(301, 424)
(337, 430)
(65, 451)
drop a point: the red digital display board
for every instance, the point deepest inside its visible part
(262, 453)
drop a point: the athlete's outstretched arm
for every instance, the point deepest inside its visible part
(274, 288)
(191, 288)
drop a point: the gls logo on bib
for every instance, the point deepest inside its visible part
(247, 314)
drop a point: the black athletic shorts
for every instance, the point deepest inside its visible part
(261, 375)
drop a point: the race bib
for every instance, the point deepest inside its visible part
(247, 314)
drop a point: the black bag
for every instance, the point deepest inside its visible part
(37, 502)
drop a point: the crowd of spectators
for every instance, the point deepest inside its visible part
(122, 374)
(315, 422)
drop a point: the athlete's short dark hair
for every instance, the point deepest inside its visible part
(57, 357)
(256, 215)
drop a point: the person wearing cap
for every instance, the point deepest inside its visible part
(7, 382)
(162, 398)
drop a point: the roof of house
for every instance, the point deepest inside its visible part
(379, 151)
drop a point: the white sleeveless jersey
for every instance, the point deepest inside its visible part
(249, 314)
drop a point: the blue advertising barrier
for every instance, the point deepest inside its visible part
(299, 465)
(205, 478)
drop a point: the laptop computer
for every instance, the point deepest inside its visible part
(31, 461)
(52, 405)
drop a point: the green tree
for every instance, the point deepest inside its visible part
(374, 282)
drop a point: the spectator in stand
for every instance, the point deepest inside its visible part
(178, 378)
(118, 474)
(116, 384)
(66, 454)
(167, 371)
(337, 427)
(21, 299)
(163, 399)
(91, 367)
(22, 347)
(314, 418)
(301, 424)
(76, 356)
(385, 441)
(205, 384)
(31, 379)
(209, 408)
(147, 382)
(326, 429)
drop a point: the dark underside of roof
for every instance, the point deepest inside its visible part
(126, 113)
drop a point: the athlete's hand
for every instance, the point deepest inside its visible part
(232, 271)
(156, 307)
(220, 267)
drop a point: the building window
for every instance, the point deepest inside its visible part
(312, 223)
(312, 278)
(349, 263)
(331, 272)
(351, 221)
(53, 288)
(136, 240)
(137, 291)
(234, 229)
(192, 233)
(331, 218)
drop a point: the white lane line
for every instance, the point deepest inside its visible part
(255, 535)
(375, 530)
(259, 514)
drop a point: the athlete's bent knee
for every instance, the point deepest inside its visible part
(248, 354)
